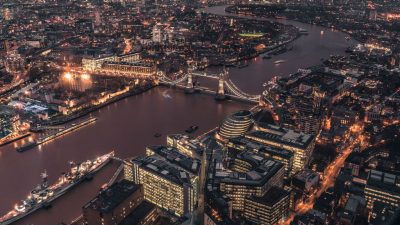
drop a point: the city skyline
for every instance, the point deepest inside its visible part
(166, 112)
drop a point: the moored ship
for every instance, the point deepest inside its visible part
(27, 146)
(42, 195)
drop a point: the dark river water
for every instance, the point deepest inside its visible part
(128, 126)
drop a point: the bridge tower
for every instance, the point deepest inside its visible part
(221, 86)
(189, 86)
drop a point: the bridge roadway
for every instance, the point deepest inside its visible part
(212, 76)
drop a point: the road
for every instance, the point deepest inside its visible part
(331, 171)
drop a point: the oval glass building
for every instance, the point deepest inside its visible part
(236, 124)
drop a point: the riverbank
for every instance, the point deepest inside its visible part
(229, 9)
(13, 137)
(86, 111)
(265, 42)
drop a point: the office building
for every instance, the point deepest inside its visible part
(305, 180)
(353, 208)
(113, 204)
(268, 209)
(186, 145)
(169, 178)
(278, 154)
(251, 174)
(302, 145)
(145, 214)
(159, 35)
(382, 187)
(343, 117)
(236, 124)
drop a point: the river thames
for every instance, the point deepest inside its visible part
(128, 126)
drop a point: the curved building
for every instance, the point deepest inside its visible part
(236, 124)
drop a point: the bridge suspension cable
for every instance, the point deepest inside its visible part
(231, 87)
(168, 80)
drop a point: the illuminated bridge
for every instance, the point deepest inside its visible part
(226, 88)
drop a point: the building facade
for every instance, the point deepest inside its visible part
(382, 187)
(268, 209)
(169, 184)
(250, 179)
(236, 124)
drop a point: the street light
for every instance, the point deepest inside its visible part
(85, 76)
(67, 76)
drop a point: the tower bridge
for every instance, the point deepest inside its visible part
(226, 88)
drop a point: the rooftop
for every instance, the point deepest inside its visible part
(109, 199)
(306, 175)
(261, 148)
(174, 156)
(163, 167)
(138, 214)
(283, 136)
(263, 170)
(384, 181)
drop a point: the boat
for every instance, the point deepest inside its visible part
(157, 135)
(277, 62)
(303, 31)
(27, 146)
(44, 194)
(192, 129)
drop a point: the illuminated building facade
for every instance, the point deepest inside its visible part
(253, 175)
(343, 117)
(129, 69)
(382, 187)
(236, 124)
(129, 65)
(167, 179)
(268, 209)
(92, 64)
(186, 145)
(7, 14)
(302, 145)
(158, 34)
